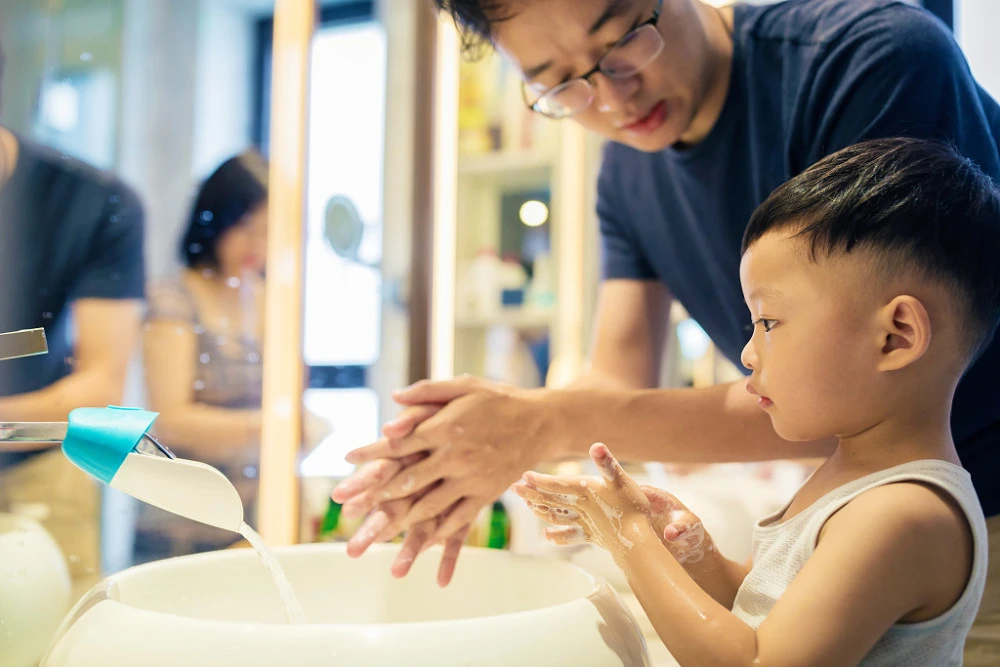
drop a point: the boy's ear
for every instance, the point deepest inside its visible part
(905, 332)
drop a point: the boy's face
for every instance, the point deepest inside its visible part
(650, 110)
(815, 345)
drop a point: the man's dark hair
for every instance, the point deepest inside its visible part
(475, 20)
(915, 205)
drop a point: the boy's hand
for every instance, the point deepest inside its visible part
(681, 532)
(601, 510)
(588, 509)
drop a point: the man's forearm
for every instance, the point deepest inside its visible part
(711, 425)
(595, 379)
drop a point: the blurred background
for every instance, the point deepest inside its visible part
(446, 230)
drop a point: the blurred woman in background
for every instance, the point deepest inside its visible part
(202, 349)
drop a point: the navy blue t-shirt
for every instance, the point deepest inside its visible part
(67, 232)
(809, 77)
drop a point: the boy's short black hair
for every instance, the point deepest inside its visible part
(915, 205)
(475, 20)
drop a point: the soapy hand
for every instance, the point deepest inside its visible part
(473, 448)
(455, 448)
(589, 509)
(681, 532)
(601, 510)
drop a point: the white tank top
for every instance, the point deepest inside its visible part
(781, 550)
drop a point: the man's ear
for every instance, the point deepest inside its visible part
(904, 330)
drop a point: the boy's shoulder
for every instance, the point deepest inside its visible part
(902, 509)
(914, 528)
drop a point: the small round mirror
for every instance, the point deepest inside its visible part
(343, 227)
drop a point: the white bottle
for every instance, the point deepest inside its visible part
(485, 279)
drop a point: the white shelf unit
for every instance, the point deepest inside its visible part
(470, 186)
(483, 181)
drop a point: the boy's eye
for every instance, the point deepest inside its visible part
(764, 322)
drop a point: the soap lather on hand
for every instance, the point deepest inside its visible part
(601, 510)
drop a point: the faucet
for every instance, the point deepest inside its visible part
(29, 343)
(113, 445)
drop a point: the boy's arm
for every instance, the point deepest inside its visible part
(870, 569)
(684, 535)
(718, 576)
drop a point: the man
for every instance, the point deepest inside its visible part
(71, 261)
(708, 110)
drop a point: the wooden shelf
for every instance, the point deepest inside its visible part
(516, 317)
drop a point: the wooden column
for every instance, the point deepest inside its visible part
(444, 199)
(283, 373)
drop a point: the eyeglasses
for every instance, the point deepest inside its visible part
(626, 58)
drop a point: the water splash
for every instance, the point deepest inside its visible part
(293, 610)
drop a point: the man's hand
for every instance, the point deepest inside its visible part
(456, 448)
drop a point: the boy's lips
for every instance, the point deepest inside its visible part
(762, 401)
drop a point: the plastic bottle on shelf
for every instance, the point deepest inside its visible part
(540, 292)
(485, 279)
(330, 525)
(499, 530)
(512, 279)
(516, 135)
(466, 292)
(473, 120)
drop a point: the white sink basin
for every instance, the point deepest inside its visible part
(222, 609)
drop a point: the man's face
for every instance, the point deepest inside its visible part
(551, 41)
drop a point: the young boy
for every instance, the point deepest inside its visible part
(863, 323)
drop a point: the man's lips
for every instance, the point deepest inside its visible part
(654, 116)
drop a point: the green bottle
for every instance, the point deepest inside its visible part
(499, 537)
(331, 521)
